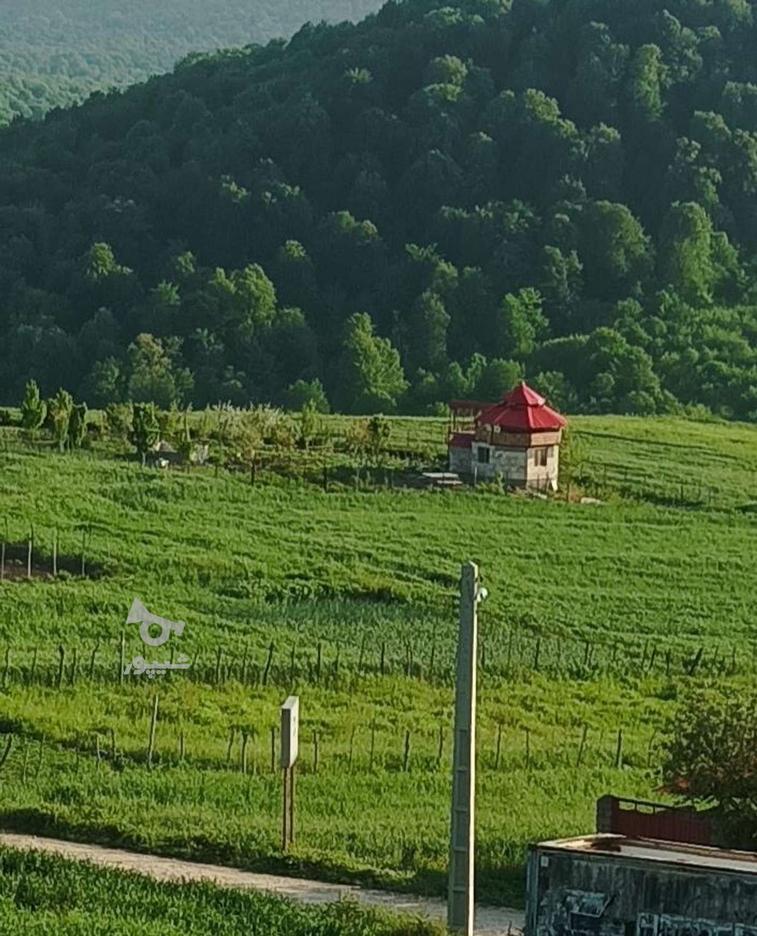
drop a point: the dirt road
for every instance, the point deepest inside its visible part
(490, 921)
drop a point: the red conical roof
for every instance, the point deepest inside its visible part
(522, 410)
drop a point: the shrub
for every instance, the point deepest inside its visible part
(710, 758)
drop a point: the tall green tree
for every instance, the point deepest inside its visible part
(145, 430)
(33, 407)
(371, 376)
(59, 409)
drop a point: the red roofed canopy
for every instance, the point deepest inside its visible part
(522, 410)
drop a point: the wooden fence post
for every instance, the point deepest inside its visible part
(243, 754)
(74, 667)
(582, 745)
(619, 750)
(268, 663)
(92, 660)
(61, 662)
(153, 726)
(122, 658)
(7, 666)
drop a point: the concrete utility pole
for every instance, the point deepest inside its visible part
(460, 898)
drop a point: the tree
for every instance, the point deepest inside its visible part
(145, 431)
(491, 380)
(118, 420)
(710, 758)
(59, 409)
(560, 283)
(304, 392)
(615, 251)
(645, 82)
(156, 375)
(685, 260)
(33, 407)
(557, 391)
(77, 425)
(310, 423)
(378, 432)
(104, 383)
(521, 325)
(426, 333)
(372, 378)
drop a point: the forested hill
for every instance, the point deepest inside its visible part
(54, 52)
(422, 206)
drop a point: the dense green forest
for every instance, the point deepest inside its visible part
(54, 52)
(426, 205)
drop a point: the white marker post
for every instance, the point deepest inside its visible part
(460, 896)
(290, 745)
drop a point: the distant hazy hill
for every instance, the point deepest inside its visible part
(52, 52)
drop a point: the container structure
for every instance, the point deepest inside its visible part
(609, 885)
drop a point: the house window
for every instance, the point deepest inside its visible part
(540, 457)
(484, 455)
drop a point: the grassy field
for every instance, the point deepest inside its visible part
(599, 618)
(42, 895)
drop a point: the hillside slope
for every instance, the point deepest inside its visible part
(598, 615)
(562, 190)
(54, 52)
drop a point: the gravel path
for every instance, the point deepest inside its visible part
(490, 921)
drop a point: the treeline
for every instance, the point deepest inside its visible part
(55, 52)
(431, 204)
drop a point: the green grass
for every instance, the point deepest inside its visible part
(598, 615)
(40, 894)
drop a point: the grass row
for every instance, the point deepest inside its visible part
(40, 894)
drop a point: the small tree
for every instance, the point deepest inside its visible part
(145, 428)
(77, 425)
(249, 440)
(118, 420)
(310, 424)
(33, 408)
(307, 391)
(357, 438)
(710, 758)
(59, 410)
(184, 445)
(378, 431)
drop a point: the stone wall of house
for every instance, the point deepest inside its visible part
(543, 476)
(507, 464)
(460, 460)
(516, 467)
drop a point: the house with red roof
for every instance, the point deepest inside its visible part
(517, 440)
